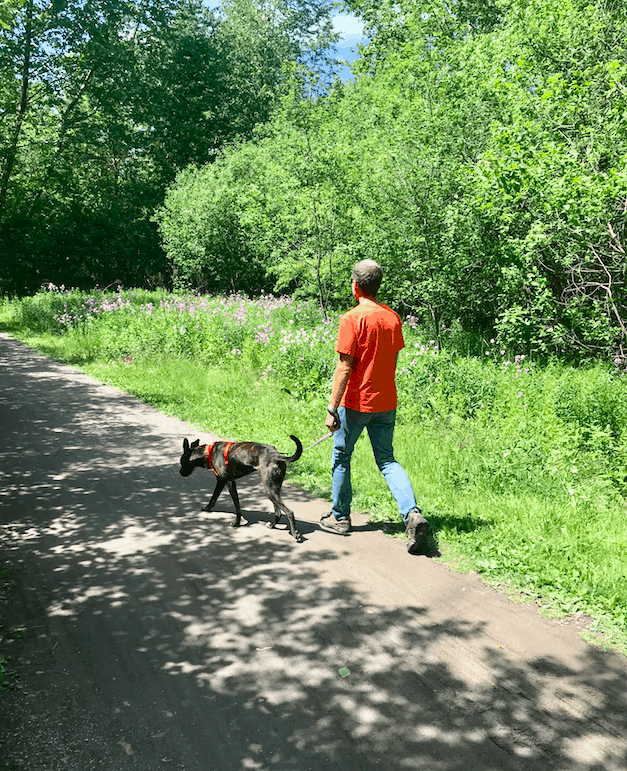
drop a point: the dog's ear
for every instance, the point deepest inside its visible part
(195, 444)
(185, 445)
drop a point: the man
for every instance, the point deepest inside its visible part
(364, 396)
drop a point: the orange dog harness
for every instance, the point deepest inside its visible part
(209, 454)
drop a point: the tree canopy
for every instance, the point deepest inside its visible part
(478, 153)
(102, 103)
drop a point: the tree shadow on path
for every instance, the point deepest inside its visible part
(156, 637)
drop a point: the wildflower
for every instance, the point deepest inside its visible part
(571, 491)
(520, 393)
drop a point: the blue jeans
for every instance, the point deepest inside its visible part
(380, 427)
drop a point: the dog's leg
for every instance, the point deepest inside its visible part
(238, 510)
(216, 492)
(291, 520)
(277, 516)
(272, 479)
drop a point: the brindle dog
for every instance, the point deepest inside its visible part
(233, 460)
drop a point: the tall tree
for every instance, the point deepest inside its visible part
(103, 103)
(479, 154)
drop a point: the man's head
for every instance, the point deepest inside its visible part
(367, 276)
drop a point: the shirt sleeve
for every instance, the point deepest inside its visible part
(346, 338)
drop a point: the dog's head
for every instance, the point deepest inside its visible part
(189, 458)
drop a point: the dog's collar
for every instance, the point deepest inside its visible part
(208, 454)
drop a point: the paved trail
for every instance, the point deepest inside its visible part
(145, 635)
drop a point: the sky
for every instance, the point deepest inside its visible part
(348, 25)
(344, 23)
(352, 32)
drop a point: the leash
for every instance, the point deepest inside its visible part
(322, 438)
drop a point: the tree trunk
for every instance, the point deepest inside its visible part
(21, 109)
(65, 120)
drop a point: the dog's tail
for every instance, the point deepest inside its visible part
(298, 453)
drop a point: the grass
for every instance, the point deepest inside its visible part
(521, 467)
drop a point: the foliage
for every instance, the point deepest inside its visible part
(100, 107)
(478, 154)
(270, 213)
(521, 423)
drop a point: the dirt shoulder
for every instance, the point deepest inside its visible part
(144, 634)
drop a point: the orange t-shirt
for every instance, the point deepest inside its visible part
(372, 333)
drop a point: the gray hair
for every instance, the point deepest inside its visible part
(368, 275)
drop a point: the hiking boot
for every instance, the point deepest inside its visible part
(416, 532)
(333, 525)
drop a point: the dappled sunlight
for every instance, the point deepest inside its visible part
(228, 643)
(136, 540)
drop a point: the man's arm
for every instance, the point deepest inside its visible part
(342, 374)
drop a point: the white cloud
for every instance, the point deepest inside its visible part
(348, 25)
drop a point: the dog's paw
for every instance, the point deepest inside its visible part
(207, 508)
(299, 538)
(271, 525)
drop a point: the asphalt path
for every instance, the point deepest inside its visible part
(144, 634)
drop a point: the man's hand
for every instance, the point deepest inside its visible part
(332, 421)
(341, 376)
